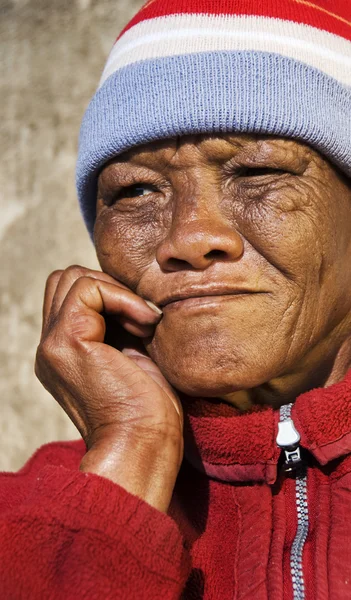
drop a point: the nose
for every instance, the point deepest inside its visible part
(197, 243)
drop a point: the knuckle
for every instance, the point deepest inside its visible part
(54, 277)
(78, 327)
(75, 271)
(45, 351)
(84, 279)
(52, 355)
(81, 288)
(84, 283)
(72, 274)
(40, 363)
(82, 334)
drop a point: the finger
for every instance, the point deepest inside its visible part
(138, 354)
(137, 329)
(50, 290)
(122, 334)
(80, 313)
(68, 278)
(144, 361)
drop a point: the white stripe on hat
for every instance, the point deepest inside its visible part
(190, 33)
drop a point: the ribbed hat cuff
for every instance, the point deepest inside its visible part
(243, 92)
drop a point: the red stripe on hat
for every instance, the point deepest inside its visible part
(332, 16)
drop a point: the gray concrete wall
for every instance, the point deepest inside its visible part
(51, 57)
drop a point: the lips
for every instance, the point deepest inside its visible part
(205, 294)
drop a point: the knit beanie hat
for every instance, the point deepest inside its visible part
(180, 67)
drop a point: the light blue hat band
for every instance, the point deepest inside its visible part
(211, 92)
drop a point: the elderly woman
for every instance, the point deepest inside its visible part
(214, 177)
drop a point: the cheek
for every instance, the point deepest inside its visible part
(284, 227)
(125, 248)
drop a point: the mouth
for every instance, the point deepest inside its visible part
(205, 299)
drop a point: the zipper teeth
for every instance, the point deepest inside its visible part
(296, 564)
(301, 535)
(285, 411)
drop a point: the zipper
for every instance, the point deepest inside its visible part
(288, 439)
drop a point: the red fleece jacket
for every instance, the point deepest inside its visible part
(230, 528)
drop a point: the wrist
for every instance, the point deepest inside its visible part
(144, 463)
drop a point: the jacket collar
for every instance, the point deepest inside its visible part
(229, 445)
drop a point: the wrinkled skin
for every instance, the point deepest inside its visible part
(263, 214)
(257, 231)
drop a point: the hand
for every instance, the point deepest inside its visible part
(127, 413)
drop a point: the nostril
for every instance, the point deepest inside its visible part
(177, 264)
(213, 254)
(196, 262)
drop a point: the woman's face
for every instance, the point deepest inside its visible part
(244, 242)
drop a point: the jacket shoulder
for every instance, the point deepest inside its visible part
(15, 487)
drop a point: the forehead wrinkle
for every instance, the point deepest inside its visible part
(214, 148)
(279, 152)
(183, 152)
(174, 145)
(187, 151)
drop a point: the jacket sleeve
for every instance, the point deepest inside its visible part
(79, 536)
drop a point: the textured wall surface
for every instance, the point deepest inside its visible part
(51, 56)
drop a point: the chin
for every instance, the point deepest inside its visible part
(211, 366)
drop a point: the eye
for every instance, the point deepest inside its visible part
(260, 172)
(135, 191)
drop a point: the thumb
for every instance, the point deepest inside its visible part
(145, 362)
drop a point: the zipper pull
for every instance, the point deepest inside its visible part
(288, 439)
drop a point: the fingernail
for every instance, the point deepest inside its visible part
(154, 307)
